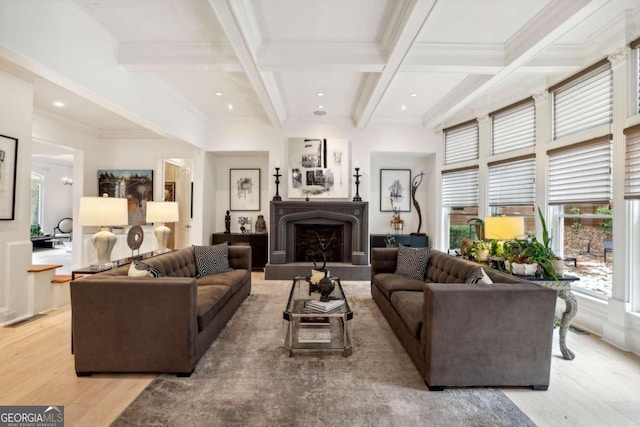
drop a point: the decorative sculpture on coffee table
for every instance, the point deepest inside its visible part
(325, 285)
(417, 180)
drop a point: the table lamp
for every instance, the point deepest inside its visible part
(503, 227)
(103, 212)
(162, 212)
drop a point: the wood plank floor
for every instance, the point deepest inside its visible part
(601, 387)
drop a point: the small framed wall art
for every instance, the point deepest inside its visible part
(169, 191)
(395, 190)
(244, 189)
(8, 162)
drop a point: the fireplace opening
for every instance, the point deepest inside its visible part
(309, 236)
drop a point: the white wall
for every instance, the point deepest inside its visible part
(16, 110)
(376, 142)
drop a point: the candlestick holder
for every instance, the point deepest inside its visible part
(277, 175)
(357, 176)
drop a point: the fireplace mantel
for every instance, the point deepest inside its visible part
(285, 214)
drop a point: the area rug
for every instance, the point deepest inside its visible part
(246, 378)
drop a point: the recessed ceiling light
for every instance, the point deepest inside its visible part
(404, 107)
(59, 104)
(230, 107)
(414, 95)
(320, 93)
(218, 93)
(320, 107)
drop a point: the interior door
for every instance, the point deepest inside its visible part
(177, 180)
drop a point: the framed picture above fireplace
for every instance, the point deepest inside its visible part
(244, 189)
(318, 168)
(395, 190)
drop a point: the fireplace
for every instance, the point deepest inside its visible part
(311, 239)
(294, 230)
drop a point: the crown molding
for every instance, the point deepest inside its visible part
(47, 116)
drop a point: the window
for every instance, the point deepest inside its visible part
(583, 101)
(461, 142)
(36, 199)
(632, 163)
(512, 189)
(581, 173)
(460, 203)
(513, 127)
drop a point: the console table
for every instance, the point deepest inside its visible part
(412, 240)
(257, 241)
(562, 286)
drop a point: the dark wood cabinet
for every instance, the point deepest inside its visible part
(257, 241)
(415, 241)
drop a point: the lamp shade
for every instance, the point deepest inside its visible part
(503, 227)
(103, 211)
(162, 212)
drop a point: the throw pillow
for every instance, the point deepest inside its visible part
(134, 272)
(412, 262)
(153, 272)
(478, 275)
(212, 259)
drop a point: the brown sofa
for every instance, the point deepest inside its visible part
(147, 324)
(460, 334)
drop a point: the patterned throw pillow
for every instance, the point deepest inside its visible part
(478, 275)
(412, 262)
(134, 272)
(153, 272)
(212, 259)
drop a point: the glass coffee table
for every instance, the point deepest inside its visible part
(309, 330)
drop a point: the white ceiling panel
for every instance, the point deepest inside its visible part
(324, 20)
(473, 21)
(339, 89)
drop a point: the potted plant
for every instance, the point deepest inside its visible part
(480, 250)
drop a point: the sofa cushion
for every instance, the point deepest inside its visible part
(212, 259)
(408, 304)
(412, 262)
(180, 263)
(478, 275)
(388, 283)
(210, 299)
(232, 279)
(152, 271)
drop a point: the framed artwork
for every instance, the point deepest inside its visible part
(318, 168)
(135, 185)
(169, 191)
(244, 189)
(395, 190)
(8, 170)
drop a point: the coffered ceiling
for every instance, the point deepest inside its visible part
(428, 62)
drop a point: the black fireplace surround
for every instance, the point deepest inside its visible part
(349, 217)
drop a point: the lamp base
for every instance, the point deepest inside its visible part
(104, 241)
(162, 236)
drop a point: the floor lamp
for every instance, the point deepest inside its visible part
(103, 212)
(161, 212)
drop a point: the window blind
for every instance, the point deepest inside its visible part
(513, 183)
(581, 173)
(460, 188)
(584, 101)
(632, 164)
(461, 143)
(513, 127)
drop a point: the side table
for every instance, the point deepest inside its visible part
(562, 286)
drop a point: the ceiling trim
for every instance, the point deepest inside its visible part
(243, 34)
(549, 25)
(412, 21)
(182, 55)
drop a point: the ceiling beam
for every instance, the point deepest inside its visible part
(411, 23)
(242, 35)
(182, 56)
(553, 22)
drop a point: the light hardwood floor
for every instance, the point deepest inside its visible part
(601, 387)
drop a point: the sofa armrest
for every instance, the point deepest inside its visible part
(122, 324)
(383, 260)
(240, 257)
(498, 334)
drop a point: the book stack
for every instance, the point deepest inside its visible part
(318, 334)
(315, 306)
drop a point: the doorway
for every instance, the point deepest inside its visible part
(178, 187)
